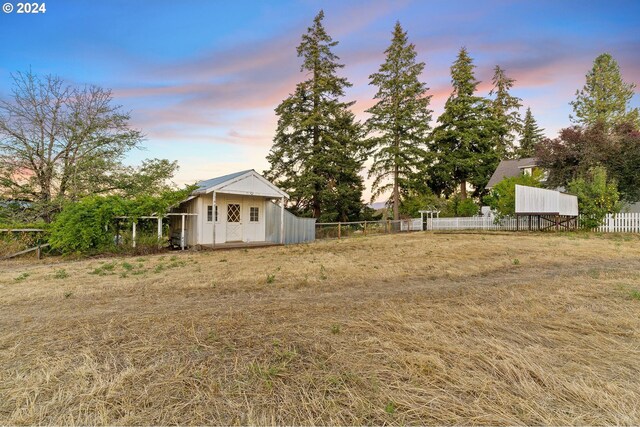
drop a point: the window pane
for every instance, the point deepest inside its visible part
(210, 213)
(233, 213)
(254, 214)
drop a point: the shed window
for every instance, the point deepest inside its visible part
(254, 214)
(210, 213)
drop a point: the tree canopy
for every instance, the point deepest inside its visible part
(464, 142)
(318, 151)
(530, 137)
(597, 196)
(505, 108)
(579, 149)
(399, 120)
(605, 96)
(60, 142)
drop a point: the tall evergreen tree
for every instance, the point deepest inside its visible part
(317, 152)
(399, 120)
(505, 109)
(464, 143)
(532, 134)
(605, 97)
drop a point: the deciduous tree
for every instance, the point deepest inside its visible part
(579, 149)
(59, 142)
(597, 196)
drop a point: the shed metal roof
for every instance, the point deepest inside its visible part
(214, 182)
(247, 182)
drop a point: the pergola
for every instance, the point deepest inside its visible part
(430, 212)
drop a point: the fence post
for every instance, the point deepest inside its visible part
(133, 234)
(389, 226)
(365, 228)
(339, 230)
(159, 231)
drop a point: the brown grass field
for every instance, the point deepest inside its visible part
(422, 328)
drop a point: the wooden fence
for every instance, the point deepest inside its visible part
(338, 230)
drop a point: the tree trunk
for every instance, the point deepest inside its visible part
(396, 195)
(463, 190)
(316, 143)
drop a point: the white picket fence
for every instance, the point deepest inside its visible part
(621, 223)
(475, 223)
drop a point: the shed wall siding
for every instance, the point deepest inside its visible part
(251, 231)
(296, 229)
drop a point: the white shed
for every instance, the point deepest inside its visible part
(238, 208)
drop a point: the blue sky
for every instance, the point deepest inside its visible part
(201, 78)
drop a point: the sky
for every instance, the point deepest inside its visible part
(202, 78)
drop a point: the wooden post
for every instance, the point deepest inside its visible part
(133, 234)
(159, 231)
(39, 252)
(517, 223)
(389, 226)
(282, 220)
(182, 234)
(339, 230)
(529, 222)
(557, 223)
(365, 228)
(213, 218)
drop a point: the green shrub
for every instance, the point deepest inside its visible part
(459, 207)
(502, 198)
(597, 196)
(89, 225)
(412, 204)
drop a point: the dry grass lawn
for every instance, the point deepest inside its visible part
(406, 329)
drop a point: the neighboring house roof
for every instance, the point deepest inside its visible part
(631, 207)
(510, 168)
(247, 182)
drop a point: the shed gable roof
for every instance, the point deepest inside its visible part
(247, 182)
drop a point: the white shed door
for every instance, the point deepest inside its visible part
(234, 222)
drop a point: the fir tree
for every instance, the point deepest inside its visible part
(399, 120)
(317, 152)
(605, 97)
(464, 142)
(531, 136)
(506, 112)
